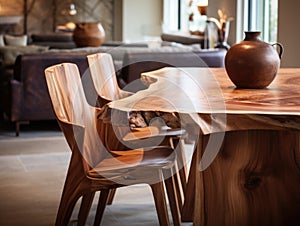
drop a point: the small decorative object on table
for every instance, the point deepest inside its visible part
(252, 63)
(223, 29)
(89, 34)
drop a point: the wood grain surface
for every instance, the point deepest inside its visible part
(208, 87)
(219, 104)
(254, 179)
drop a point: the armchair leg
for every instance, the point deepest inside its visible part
(181, 162)
(18, 123)
(111, 196)
(172, 192)
(86, 203)
(101, 206)
(160, 203)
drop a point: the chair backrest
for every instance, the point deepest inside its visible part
(104, 76)
(75, 116)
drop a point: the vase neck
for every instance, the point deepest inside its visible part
(252, 35)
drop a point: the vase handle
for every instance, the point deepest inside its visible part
(280, 48)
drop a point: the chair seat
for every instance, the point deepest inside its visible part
(129, 162)
(152, 131)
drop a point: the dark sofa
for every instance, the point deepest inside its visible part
(26, 95)
(57, 40)
(135, 63)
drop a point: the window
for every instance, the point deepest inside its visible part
(257, 15)
(176, 14)
(171, 15)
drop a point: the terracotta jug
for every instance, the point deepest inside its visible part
(253, 63)
(88, 34)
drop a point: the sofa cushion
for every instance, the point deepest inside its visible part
(15, 40)
(2, 40)
(9, 54)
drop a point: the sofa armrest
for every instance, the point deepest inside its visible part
(213, 58)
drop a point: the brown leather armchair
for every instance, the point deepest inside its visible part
(27, 95)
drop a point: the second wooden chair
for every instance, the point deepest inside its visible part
(94, 166)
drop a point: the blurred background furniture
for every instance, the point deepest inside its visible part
(55, 40)
(183, 38)
(24, 96)
(135, 63)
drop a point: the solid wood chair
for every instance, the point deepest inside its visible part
(96, 162)
(105, 82)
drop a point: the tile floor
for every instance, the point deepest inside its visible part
(32, 173)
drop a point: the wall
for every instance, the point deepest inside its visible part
(44, 15)
(132, 20)
(289, 32)
(118, 15)
(12, 8)
(142, 19)
(88, 11)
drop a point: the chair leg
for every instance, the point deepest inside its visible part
(160, 203)
(75, 186)
(179, 190)
(103, 198)
(66, 206)
(181, 162)
(111, 196)
(17, 128)
(86, 203)
(171, 187)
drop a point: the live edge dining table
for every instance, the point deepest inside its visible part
(245, 168)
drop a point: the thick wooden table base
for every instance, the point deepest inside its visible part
(254, 180)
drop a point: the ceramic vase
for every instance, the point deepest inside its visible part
(253, 63)
(88, 34)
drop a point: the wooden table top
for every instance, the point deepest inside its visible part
(209, 91)
(252, 152)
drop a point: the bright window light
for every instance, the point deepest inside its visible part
(257, 15)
